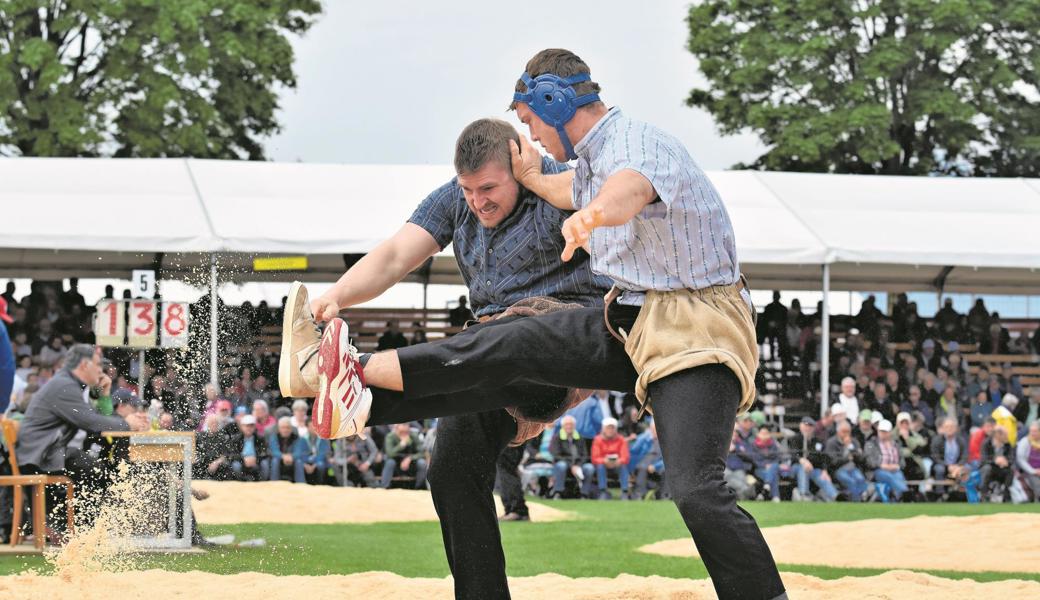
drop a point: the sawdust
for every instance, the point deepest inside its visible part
(1006, 542)
(165, 585)
(233, 502)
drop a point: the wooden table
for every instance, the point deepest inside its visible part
(169, 448)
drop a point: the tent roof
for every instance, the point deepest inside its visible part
(103, 217)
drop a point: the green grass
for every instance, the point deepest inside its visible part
(602, 541)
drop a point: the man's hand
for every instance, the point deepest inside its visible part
(105, 385)
(650, 469)
(137, 421)
(363, 467)
(309, 468)
(526, 161)
(406, 462)
(324, 309)
(578, 228)
(808, 466)
(287, 459)
(249, 461)
(212, 468)
(1001, 462)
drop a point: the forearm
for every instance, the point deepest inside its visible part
(556, 189)
(384, 266)
(621, 198)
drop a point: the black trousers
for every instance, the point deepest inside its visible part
(510, 488)
(92, 478)
(492, 365)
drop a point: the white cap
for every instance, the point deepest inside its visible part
(609, 421)
(884, 425)
(903, 416)
(248, 420)
(837, 408)
(876, 417)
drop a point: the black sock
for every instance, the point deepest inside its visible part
(363, 358)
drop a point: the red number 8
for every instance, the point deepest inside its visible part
(174, 314)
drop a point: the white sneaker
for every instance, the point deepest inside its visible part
(297, 367)
(343, 402)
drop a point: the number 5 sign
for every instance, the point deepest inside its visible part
(175, 317)
(142, 328)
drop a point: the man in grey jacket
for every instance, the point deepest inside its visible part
(58, 410)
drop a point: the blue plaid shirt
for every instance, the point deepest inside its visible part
(518, 259)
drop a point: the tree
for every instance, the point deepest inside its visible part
(875, 86)
(145, 77)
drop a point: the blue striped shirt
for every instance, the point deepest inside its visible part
(681, 240)
(518, 259)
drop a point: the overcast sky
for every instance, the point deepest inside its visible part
(395, 82)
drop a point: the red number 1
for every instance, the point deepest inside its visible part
(110, 308)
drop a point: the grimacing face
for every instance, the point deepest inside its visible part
(491, 192)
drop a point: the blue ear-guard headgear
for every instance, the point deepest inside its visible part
(554, 100)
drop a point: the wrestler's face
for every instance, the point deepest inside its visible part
(541, 132)
(491, 192)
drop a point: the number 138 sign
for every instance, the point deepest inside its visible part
(143, 325)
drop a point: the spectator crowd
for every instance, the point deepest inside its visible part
(909, 424)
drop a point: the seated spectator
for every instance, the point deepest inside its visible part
(418, 334)
(913, 447)
(316, 456)
(1028, 413)
(258, 390)
(610, 455)
(570, 459)
(403, 454)
(883, 457)
(996, 472)
(977, 438)
(949, 453)
(631, 426)
(739, 464)
(392, 338)
(265, 421)
(1009, 382)
(949, 405)
(914, 402)
(1005, 417)
(981, 409)
(864, 427)
(847, 398)
(827, 426)
(287, 452)
(212, 402)
(809, 463)
(53, 352)
(250, 457)
(300, 420)
(746, 427)
(765, 453)
(648, 460)
(362, 459)
(844, 455)
(1027, 457)
(213, 446)
(980, 383)
(166, 421)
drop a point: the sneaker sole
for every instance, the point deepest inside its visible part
(330, 420)
(287, 361)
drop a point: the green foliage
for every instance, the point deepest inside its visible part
(875, 86)
(137, 78)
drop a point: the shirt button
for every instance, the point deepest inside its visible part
(490, 251)
(488, 282)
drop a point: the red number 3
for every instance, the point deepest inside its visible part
(144, 314)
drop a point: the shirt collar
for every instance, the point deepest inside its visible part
(597, 132)
(76, 379)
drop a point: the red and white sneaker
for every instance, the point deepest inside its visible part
(343, 402)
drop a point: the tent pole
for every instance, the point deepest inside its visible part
(213, 318)
(825, 341)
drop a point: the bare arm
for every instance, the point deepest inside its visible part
(622, 196)
(378, 270)
(556, 189)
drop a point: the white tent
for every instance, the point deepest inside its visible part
(104, 217)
